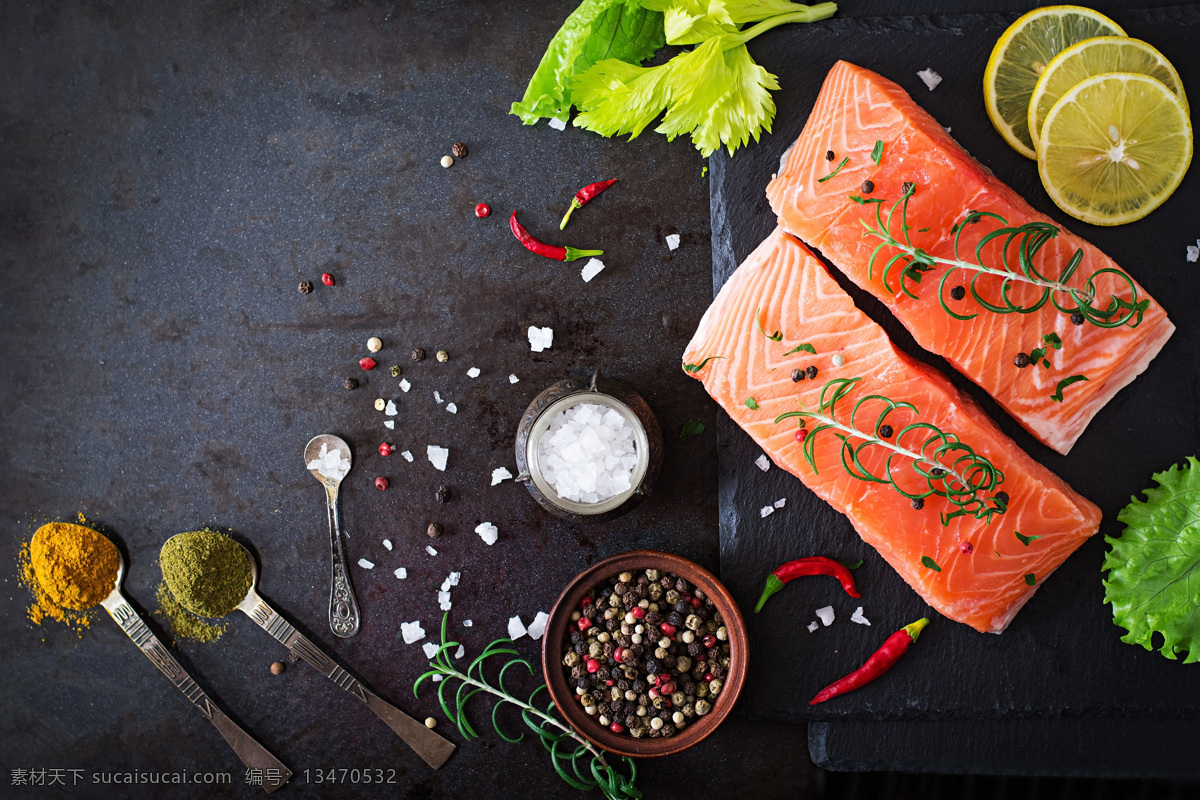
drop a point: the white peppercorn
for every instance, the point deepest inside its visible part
(636, 638)
(656, 724)
(677, 717)
(625, 577)
(703, 707)
(447, 161)
(575, 615)
(687, 637)
(380, 404)
(630, 695)
(374, 344)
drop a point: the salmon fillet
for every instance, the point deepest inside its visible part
(788, 290)
(857, 108)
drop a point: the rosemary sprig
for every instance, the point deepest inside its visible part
(1064, 383)
(948, 467)
(836, 169)
(777, 336)
(697, 367)
(1026, 240)
(578, 762)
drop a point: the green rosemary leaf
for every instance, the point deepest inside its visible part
(855, 565)
(1031, 579)
(1064, 383)
(862, 201)
(836, 170)
(777, 336)
(926, 561)
(997, 552)
(1052, 340)
(1025, 540)
(751, 404)
(877, 152)
(922, 230)
(700, 366)
(692, 428)
(807, 348)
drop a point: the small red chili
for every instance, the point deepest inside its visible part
(816, 565)
(585, 196)
(548, 250)
(482, 210)
(593, 665)
(667, 628)
(966, 547)
(327, 279)
(381, 483)
(367, 363)
(584, 623)
(638, 612)
(385, 449)
(880, 662)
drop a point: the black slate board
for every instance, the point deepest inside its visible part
(1062, 654)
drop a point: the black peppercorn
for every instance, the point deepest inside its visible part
(675, 618)
(829, 155)
(695, 649)
(576, 637)
(1022, 360)
(1002, 497)
(418, 354)
(868, 187)
(581, 647)
(958, 293)
(651, 666)
(443, 494)
(350, 383)
(681, 585)
(937, 472)
(885, 431)
(918, 503)
(434, 530)
(797, 375)
(653, 619)
(680, 607)
(305, 287)
(459, 150)
(581, 683)
(1077, 318)
(811, 372)
(907, 187)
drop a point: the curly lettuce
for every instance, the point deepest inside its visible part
(1154, 567)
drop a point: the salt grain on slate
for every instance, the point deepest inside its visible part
(516, 629)
(673, 241)
(436, 678)
(401, 573)
(500, 474)
(591, 269)
(766, 511)
(467, 623)
(540, 338)
(407, 456)
(931, 78)
(558, 124)
(429, 549)
(437, 456)
(430, 649)
(488, 532)
(588, 453)
(781, 502)
(391, 408)
(538, 626)
(461, 651)
(444, 601)
(362, 562)
(473, 372)
(387, 543)
(453, 409)
(438, 396)
(411, 632)
(513, 379)
(812, 626)
(825, 615)
(1193, 252)
(858, 617)
(390, 424)
(762, 462)
(405, 385)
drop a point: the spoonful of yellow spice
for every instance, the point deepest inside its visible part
(80, 568)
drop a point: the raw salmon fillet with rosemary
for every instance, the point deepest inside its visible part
(962, 260)
(969, 520)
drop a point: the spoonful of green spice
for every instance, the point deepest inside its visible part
(207, 572)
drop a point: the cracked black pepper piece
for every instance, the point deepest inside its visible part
(797, 375)
(443, 494)
(1022, 360)
(434, 530)
(1077, 318)
(868, 187)
(811, 372)
(907, 187)
(305, 287)
(418, 354)
(829, 155)
(958, 293)
(918, 503)
(885, 431)
(350, 383)
(459, 150)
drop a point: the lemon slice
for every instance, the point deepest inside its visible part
(1093, 57)
(1021, 55)
(1114, 148)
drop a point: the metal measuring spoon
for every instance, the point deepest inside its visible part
(252, 754)
(431, 747)
(343, 608)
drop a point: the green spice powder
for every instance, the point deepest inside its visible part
(208, 572)
(184, 624)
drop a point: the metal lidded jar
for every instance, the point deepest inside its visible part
(558, 397)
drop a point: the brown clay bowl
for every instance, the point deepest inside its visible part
(557, 630)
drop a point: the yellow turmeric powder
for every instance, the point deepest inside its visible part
(69, 568)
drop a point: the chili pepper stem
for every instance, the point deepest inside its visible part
(773, 586)
(914, 630)
(573, 254)
(571, 210)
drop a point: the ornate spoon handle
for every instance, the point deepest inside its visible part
(252, 754)
(343, 608)
(428, 745)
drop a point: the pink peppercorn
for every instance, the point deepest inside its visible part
(638, 612)
(327, 279)
(966, 547)
(617, 727)
(381, 483)
(801, 434)
(482, 210)
(696, 602)
(583, 623)
(710, 641)
(653, 693)
(587, 601)
(367, 363)
(708, 676)
(592, 665)
(667, 628)
(666, 688)
(609, 682)
(385, 449)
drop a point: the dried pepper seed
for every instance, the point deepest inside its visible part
(885, 431)
(434, 530)
(906, 187)
(829, 156)
(958, 292)
(443, 356)
(1077, 318)
(447, 161)
(966, 547)
(1022, 360)
(381, 483)
(374, 344)
(430, 722)
(367, 363)
(305, 287)
(482, 210)
(459, 150)
(443, 494)
(327, 279)
(385, 449)
(868, 187)
(811, 372)
(350, 383)
(418, 354)
(395, 370)
(278, 668)
(797, 375)
(918, 503)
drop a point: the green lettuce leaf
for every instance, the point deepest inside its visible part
(598, 30)
(1154, 567)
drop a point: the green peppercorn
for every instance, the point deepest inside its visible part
(395, 370)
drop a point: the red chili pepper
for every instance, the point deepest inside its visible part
(548, 250)
(585, 196)
(880, 662)
(816, 565)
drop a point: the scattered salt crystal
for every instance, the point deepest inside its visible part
(467, 623)
(513, 379)
(437, 678)
(812, 626)
(838, 359)
(591, 269)
(453, 578)
(931, 78)
(538, 626)
(825, 615)
(438, 396)
(405, 385)
(429, 549)
(330, 463)
(473, 372)
(390, 424)
(362, 562)
(387, 543)
(401, 573)
(461, 651)
(391, 408)
(488, 532)
(673, 241)
(766, 511)
(444, 601)
(588, 453)
(453, 409)
(858, 617)
(781, 502)
(430, 649)
(1193, 252)
(412, 632)
(500, 474)
(407, 456)
(762, 462)
(443, 595)
(437, 456)
(516, 629)
(558, 124)
(540, 338)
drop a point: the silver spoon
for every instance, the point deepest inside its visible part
(252, 754)
(431, 747)
(343, 608)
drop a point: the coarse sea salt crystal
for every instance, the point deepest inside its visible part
(330, 464)
(438, 396)
(540, 338)
(591, 269)
(812, 626)
(467, 623)
(588, 453)
(362, 562)
(405, 385)
(453, 409)
(387, 543)
(1193, 252)
(453, 578)
(931, 78)
(488, 532)
(762, 462)
(781, 502)
(436, 678)
(557, 124)
(673, 241)
(444, 601)
(513, 379)
(500, 474)
(429, 549)
(407, 456)
(430, 649)
(411, 632)
(461, 651)
(390, 424)
(825, 615)
(391, 408)
(766, 511)
(538, 626)
(401, 573)
(473, 372)
(516, 629)
(858, 617)
(437, 456)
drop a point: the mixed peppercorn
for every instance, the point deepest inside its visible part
(647, 654)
